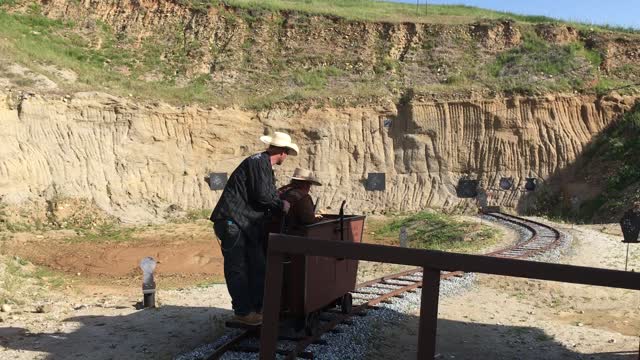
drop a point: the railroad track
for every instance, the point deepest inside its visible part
(543, 238)
(369, 294)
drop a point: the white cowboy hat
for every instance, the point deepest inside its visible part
(281, 139)
(305, 175)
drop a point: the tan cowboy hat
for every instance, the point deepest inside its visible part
(281, 139)
(305, 175)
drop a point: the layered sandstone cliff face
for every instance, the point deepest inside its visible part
(144, 162)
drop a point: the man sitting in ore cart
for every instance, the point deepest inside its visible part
(302, 210)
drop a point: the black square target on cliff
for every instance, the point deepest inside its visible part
(217, 181)
(530, 185)
(506, 183)
(630, 224)
(375, 182)
(467, 188)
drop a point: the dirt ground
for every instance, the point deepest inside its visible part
(187, 254)
(94, 315)
(511, 318)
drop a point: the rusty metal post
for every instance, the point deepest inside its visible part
(428, 314)
(271, 309)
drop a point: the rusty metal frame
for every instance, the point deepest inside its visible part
(432, 262)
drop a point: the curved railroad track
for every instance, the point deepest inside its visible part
(539, 239)
(542, 239)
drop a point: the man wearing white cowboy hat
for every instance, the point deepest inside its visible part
(239, 222)
(302, 211)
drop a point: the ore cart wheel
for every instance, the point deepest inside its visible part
(346, 303)
(312, 324)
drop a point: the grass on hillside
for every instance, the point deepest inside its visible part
(377, 10)
(435, 231)
(551, 66)
(17, 274)
(616, 149)
(373, 10)
(158, 68)
(33, 39)
(621, 144)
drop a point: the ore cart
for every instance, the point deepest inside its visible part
(313, 284)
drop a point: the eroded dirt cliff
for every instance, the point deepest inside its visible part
(426, 103)
(144, 162)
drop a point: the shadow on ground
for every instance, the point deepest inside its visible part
(165, 332)
(158, 333)
(466, 341)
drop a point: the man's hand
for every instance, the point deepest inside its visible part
(285, 206)
(318, 217)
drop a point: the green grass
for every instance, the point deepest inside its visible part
(625, 176)
(13, 226)
(368, 10)
(435, 231)
(198, 214)
(210, 281)
(606, 85)
(12, 279)
(48, 277)
(560, 67)
(18, 274)
(618, 147)
(160, 66)
(374, 10)
(33, 39)
(314, 80)
(39, 37)
(627, 70)
(111, 233)
(621, 140)
(192, 215)
(622, 143)
(387, 64)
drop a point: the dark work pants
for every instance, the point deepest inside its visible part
(244, 267)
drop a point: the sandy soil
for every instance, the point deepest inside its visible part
(187, 254)
(501, 318)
